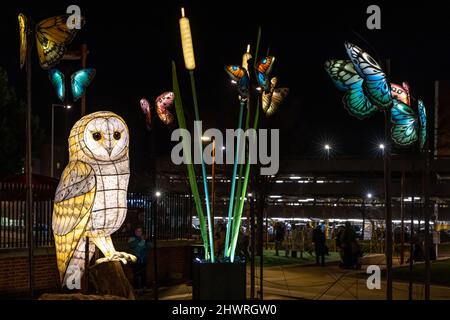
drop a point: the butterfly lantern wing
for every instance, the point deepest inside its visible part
(164, 103)
(23, 36)
(52, 37)
(400, 93)
(58, 82)
(145, 107)
(345, 78)
(267, 96)
(239, 76)
(423, 123)
(276, 100)
(406, 87)
(404, 131)
(80, 80)
(263, 69)
(376, 86)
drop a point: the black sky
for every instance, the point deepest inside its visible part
(132, 44)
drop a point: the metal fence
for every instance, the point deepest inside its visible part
(172, 211)
(173, 216)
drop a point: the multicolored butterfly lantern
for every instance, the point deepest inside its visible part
(272, 97)
(367, 91)
(52, 38)
(79, 82)
(163, 104)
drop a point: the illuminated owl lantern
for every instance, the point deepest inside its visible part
(91, 198)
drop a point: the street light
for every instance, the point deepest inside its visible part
(327, 150)
(369, 195)
(381, 146)
(158, 194)
(53, 134)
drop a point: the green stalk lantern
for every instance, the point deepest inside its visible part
(189, 61)
(190, 166)
(238, 213)
(233, 177)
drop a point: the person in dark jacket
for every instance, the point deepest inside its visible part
(139, 245)
(279, 236)
(319, 245)
(348, 239)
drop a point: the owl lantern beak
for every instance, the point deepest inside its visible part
(109, 150)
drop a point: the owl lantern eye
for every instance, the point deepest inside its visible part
(97, 136)
(117, 135)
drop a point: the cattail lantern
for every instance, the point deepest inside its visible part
(186, 42)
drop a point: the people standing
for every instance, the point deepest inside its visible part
(296, 241)
(338, 238)
(287, 242)
(319, 245)
(279, 237)
(348, 239)
(308, 235)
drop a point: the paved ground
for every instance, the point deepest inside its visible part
(319, 283)
(333, 283)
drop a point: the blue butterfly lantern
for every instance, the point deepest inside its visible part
(368, 91)
(80, 80)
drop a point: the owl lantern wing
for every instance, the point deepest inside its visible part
(73, 204)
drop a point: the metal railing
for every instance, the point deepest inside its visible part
(173, 215)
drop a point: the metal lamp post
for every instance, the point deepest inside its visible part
(53, 134)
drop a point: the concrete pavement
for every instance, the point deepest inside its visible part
(318, 283)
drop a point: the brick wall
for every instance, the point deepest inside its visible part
(174, 265)
(14, 271)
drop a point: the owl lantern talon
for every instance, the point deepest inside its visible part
(91, 198)
(109, 259)
(125, 256)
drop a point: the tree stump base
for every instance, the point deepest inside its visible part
(108, 278)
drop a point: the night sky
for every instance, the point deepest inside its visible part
(132, 44)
